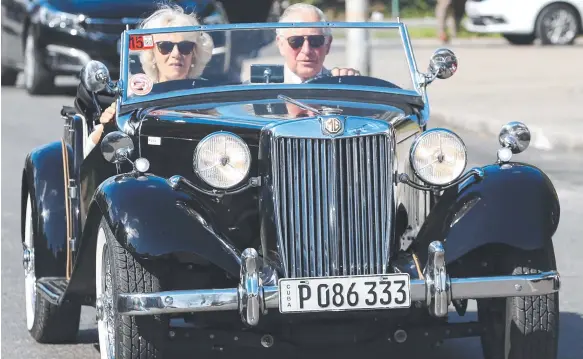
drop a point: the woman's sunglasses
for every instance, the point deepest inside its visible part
(315, 41)
(184, 47)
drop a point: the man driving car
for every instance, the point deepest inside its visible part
(305, 49)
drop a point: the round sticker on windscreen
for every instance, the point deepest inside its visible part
(140, 84)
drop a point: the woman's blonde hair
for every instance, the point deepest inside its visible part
(174, 16)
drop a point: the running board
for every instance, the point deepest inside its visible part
(52, 288)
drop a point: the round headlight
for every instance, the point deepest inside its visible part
(438, 157)
(222, 160)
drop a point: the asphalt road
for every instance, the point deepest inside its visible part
(29, 122)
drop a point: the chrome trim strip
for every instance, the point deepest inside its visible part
(410, 57)
(263, 87)
(208, 300)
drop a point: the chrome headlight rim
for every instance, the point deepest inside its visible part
(209, 137)
(418, 141)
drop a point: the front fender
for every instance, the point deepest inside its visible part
(43, 178)
(151, 220)
(514, 204)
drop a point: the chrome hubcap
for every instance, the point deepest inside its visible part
(27, 260)
(560, 26)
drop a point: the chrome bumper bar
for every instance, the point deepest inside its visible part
(252, 299)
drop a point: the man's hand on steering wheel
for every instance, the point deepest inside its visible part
(344, 71)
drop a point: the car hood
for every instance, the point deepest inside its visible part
(119, 9)
(191, 121)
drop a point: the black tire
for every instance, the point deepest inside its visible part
(37, 79)
(533, 322)
(51, 323)
(9, 76)
(142, 337)
(543, 25)
(516, 39)
(55, 324)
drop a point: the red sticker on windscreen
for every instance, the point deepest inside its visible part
(141, 42)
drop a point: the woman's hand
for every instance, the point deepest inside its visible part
(108, 114)
(105, 118)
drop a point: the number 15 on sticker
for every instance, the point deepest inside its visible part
(141, 42)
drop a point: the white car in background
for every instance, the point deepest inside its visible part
(522, 21)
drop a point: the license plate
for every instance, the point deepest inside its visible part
(389, 291)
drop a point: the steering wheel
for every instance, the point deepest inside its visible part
(352, 80)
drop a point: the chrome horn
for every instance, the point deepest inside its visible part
(515, 135)
(514, 138)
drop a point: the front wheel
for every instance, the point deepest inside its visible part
(522, 327)
(117, 271)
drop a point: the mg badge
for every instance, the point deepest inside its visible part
(333, 126)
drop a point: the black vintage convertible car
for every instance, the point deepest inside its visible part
(275, 215)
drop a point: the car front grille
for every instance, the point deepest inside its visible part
(333, 204)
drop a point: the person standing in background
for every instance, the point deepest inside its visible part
(442, 9)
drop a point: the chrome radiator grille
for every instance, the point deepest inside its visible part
(333, 203)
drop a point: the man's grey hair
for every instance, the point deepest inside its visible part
(301, 7)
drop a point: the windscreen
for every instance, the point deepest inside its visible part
(161, 61)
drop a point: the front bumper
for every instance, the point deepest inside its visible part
(436, 290)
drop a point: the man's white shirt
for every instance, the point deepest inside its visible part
(291, 78)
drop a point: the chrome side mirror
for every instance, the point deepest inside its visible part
(95, 76)
(442, 65)
(117, 147)
(515, 136)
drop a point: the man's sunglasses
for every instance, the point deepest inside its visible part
(315, 41)
(184, 47)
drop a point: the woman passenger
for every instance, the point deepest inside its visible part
(175, 56)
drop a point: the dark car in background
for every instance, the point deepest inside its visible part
(48, 38)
